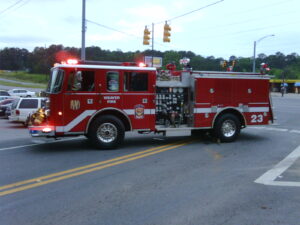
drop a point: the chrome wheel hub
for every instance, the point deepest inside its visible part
(107, 132)
(228, 128)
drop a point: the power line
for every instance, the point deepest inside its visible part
(11, 6)
(185, 14)
(204, 7)
(245, 31)
(110, 28)
(225, 26)
(122, 32)
(25, 3)
(261, 7)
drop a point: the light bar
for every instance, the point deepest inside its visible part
(72, 61)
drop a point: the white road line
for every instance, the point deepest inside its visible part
(276, 129)
(260, 127)
(23, 146)
(14, 147)
(295, 131)
(270, 176)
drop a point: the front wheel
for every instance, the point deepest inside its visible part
(106, 132)
(227, 128)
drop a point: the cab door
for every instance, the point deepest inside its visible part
(110, 89)
(138, 98)
(79, 101)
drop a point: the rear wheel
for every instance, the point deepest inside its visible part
(227, 128)
(106, 132)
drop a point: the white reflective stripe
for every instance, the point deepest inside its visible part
(258, 103)
(251, 109)
(75, 122)
(129, 111)
(149, 111)
(258, 109)
(232, 76)
(202, 110)
(146, 112)
(59, 128)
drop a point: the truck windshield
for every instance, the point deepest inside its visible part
(56, 80)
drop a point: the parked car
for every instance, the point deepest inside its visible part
(22, 108)
(4, 97)
(4, 93)
(4, 105)
(8, 110)
(21, 93)
(10, 107)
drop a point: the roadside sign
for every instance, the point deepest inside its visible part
(156, 62)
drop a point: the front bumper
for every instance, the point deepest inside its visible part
(41, 131)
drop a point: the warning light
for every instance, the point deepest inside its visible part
(141, 64)
(60, 113)
(47, 130)
(72, 61)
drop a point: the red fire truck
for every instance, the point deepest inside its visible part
(102, 102)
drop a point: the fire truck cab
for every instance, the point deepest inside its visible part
(102, 102)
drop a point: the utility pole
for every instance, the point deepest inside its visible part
(152, 44)
(254, 49)
(83, 29)
(254, 53)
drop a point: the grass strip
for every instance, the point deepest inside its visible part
(25, 77)
(13, 84)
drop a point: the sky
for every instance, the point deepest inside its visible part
(223, 29)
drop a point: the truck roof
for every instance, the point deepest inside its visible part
(114, 67)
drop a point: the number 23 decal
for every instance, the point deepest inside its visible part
(257, 118)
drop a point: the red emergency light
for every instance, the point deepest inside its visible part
(141, 64)
(72, 61)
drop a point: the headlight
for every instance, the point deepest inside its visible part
(47, 105)
(47, 112)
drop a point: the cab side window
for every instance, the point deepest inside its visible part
(112, 81)
(134, 81)
(81, 81)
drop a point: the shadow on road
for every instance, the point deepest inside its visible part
(139, 142)
(130, 143)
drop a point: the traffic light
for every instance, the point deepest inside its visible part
(167, 33)
(146, 36)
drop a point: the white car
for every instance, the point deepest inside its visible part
(21, 93)
(23, 107)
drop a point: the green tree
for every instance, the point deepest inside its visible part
(171, 57)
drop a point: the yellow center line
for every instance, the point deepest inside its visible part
(39, 181)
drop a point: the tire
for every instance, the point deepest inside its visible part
(106, 132)
(227, 128)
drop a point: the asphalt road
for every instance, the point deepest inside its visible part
(17, 86)
(153, 179)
